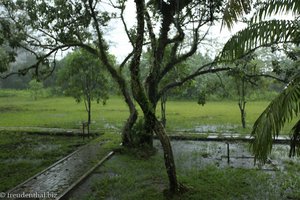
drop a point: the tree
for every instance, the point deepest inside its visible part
(35, 88)
(70, 27)
(83, 77)
(4, 60)
(243, 76)
(262, 33)
(147, 97)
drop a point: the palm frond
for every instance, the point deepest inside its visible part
(234, 10)
(270, 122)
(258, 35)
(295, 140)
(273, 7)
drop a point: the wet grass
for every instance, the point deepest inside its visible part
(213, 116)
(57, 112)
(127, 177)
(22, 155)
(17, 109)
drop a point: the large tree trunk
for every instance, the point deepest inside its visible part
(127, 129)
(159, 130)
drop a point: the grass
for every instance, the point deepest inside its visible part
(127, 177)
(56, 112)
(17, 109)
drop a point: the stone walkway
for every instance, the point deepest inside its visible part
(58, 131)
(54, 180)
(221, 137)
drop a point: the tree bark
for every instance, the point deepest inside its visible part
(163, 109)
(242, 106)
(89, 115)
(242, 102)
(126, 132)
(159, 130)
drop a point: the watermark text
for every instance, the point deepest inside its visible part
(44, 195)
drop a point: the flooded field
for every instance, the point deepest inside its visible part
(275, 177)
(200, 154)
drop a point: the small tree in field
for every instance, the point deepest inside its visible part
(83, 78)
(35, 88)
(244, 76)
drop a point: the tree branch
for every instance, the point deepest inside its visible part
(124, 24)
(150, 30)
(191, 76)
(268, 76)
(193, 49)
(40, 59)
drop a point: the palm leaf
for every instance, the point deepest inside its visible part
(295, 140)
(270, 122)
(234, 10)
(259, 35)
(273, 7)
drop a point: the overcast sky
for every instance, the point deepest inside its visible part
(120, 45)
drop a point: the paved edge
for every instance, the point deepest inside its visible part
(51, 131)
(84, 176)
(224, 138)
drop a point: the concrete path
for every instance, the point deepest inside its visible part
(53, 181)
(39, 130)
(221, 137)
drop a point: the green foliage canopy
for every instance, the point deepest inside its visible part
(83, 77)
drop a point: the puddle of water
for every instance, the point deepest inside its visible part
(23, 160)
(110, 126)
(46, 147)
(199, 154)
(229, 128)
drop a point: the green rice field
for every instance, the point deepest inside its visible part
(18, 109)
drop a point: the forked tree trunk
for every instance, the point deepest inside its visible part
(145, 102)
(127, 129)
